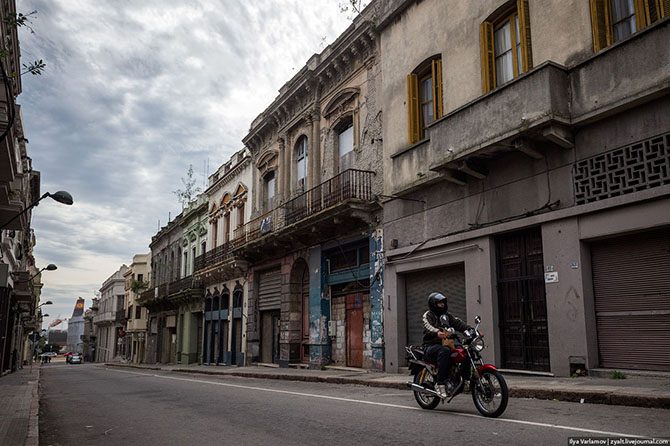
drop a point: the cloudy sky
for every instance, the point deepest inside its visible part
(134, 91)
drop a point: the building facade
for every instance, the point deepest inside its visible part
(314, 280)
(526, 154)
(189, 299)
(75, 328)
(223, 275)
(136, 280)
(171, 337)
(110, 320)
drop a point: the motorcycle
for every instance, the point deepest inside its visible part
(467, 373)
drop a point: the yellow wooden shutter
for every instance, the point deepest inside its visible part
(487, 56)
(600, 24)
(413, 123)
(524, 34)
(641, 14)
(436, 69)
(664, 8)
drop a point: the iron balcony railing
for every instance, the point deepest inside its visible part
(187, 283)
(219, 254)
(165, 289)
(351, 184)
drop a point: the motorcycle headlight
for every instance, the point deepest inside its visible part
(478, 344)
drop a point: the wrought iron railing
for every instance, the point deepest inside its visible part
(348, 185)
(218, 254)
(187, 283)
(165, 289)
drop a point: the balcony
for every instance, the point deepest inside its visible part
(167, 295)
(538, 111)
(109, 317)
(336, 206)
(136, 325)
(23, 290)
(218, 264)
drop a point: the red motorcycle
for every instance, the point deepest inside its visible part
(467, 373)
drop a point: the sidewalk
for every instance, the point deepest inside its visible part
(19, 407)
(633, 391)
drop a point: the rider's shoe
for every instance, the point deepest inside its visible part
(441, 390)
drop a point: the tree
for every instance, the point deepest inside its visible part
(352, 7)
(190, 190)
(19, 19)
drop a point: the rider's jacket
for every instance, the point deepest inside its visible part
(431, 325)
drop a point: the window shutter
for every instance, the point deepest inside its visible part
(641, 13)
(487, 56)
(436, 67)
(413, 108)
(664, 8)
(600, 24)
(524, 34)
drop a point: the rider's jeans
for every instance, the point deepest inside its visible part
(438, 354)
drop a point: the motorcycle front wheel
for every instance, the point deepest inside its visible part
(491, 396)
(425, 400)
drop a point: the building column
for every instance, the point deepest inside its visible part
(315, 155)
(287, 169)
(319, 312)
(377, 300)
(281, 171)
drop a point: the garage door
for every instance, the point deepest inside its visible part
(631, 281)
(449, 281)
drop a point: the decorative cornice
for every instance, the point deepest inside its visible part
(228, 176)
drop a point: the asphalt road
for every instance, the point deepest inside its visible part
(90, 405)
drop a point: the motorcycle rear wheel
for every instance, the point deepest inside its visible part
(426, 401)
(491, 401)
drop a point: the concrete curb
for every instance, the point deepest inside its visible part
(33, 438)
(568, 395)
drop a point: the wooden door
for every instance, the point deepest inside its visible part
(522, 301)
(236, 341)
(354, 324)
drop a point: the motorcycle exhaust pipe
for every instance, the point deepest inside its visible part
(418, 388)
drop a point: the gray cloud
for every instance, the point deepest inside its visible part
(133, 93)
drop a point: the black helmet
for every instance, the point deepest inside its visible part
(433, 299)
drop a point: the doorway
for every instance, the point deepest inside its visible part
(522, 302)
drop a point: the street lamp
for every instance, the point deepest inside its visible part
(49, 267)
(61, 196)
(48, 302)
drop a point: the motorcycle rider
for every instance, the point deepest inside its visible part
(433, 334)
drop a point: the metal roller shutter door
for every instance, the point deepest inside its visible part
(269, 290)
(449, 281)
(631, 281)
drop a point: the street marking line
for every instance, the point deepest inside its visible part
(397, 406)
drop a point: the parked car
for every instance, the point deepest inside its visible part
(76, 358)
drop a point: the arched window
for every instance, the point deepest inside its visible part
(269, 189)
(238, 297)
(215, 302)
(301, 162)
(225, 299)
(345, 143)
(208, 304)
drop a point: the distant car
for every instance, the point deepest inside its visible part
(75, 358)
(52, 354)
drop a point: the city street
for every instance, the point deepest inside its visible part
(91, 404)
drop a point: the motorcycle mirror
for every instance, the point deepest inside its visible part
(477, 319)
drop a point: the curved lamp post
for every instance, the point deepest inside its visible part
(48, 302)
(61, 196)
(49, 267)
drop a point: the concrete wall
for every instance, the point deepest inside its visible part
(480, 296)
